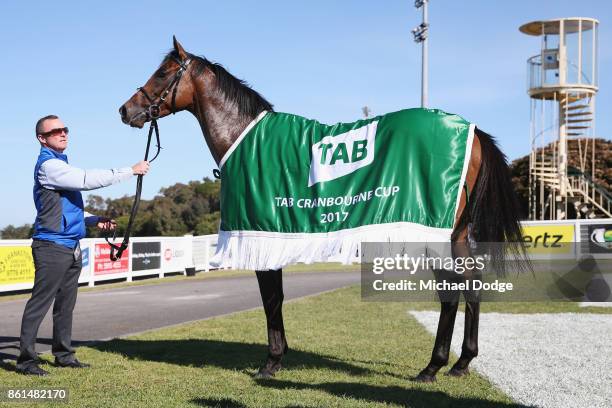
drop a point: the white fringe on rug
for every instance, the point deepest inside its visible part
(261, 250)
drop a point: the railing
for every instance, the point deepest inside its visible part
(534, 72)
(158, 256)
(541, 77)
(145, 256)
(595, 194)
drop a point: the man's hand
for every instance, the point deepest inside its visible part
(106, 224)
(141, 168)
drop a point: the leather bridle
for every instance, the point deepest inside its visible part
(152, 113)
(153, 110)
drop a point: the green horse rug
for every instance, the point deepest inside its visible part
(296, 190)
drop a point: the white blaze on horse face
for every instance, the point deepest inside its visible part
(337, 156)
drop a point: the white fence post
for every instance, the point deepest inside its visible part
(207, 254)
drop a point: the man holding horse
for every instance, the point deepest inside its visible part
(60, 224)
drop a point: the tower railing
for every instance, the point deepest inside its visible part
(593, 193)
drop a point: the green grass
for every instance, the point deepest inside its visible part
(343, 352)
(520, 307)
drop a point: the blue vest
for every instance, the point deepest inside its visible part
(59, 216)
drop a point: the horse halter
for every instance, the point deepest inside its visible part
(152, 111)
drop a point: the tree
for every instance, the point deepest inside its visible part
(191, 208)
(209, 224)
(23, 232)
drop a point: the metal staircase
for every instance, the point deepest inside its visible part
(562, 85)
(553, 179)
(590, 199)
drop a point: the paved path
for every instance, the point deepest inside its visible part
(106, 314)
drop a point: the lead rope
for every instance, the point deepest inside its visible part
(117, 250)
(153, 113)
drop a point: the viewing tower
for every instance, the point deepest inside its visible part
(562, 84)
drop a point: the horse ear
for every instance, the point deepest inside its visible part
(179, 48)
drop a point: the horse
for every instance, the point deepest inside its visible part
(224, 106)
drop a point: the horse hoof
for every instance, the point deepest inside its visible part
(263, 375)
(424, 378)
(271, 367)
(456, 372)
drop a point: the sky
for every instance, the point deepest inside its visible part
(320, 59)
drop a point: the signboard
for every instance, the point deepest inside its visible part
(176, 255)
(16, 265)
(85, 254)
(599, 238)
(146, 255)
(104, 266)
(86, 266)
(549, 239)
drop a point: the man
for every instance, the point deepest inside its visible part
(60, 224)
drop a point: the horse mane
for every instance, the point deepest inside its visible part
(235, 90)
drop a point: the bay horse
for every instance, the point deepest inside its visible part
(225, 105)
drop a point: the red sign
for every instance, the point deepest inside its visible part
(104, 266)
(168, 254)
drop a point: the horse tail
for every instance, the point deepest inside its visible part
(493, 208)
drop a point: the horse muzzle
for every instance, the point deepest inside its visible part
(137, 119)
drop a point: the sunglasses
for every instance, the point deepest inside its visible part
(56, 131)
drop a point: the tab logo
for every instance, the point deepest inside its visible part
(337, 156)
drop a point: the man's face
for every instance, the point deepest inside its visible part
(54, 135)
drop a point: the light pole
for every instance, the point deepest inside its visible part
(420, 36)
(366, 111)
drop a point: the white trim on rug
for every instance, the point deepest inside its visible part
(239, 139)
(251, 249)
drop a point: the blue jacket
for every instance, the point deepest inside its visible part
(60, 215)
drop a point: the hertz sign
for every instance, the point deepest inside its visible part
(549, 239)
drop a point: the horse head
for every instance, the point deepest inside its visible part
(164, 92)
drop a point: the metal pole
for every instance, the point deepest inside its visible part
(420, 33)
(424, 79)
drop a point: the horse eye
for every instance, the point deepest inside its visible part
(161, 75)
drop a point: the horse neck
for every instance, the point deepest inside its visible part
(220, 120)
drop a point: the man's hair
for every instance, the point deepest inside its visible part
(41, 121)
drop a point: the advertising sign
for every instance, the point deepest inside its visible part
(104, 266)
(85, 253)
(86, 267)
(176, 255)
(16, 265)
(146, 256)
(549, 239)
(599, 238)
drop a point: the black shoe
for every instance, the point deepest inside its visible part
(32, 369)
(72, 364)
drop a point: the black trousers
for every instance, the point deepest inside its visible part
(56, 279)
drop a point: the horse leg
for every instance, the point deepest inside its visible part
(439, 356)
(469, 349)
(450, 299)
(271, 289)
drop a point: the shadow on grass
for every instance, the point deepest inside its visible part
(223, 354)
(414, 398)
(217, 403)
(11, 345)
